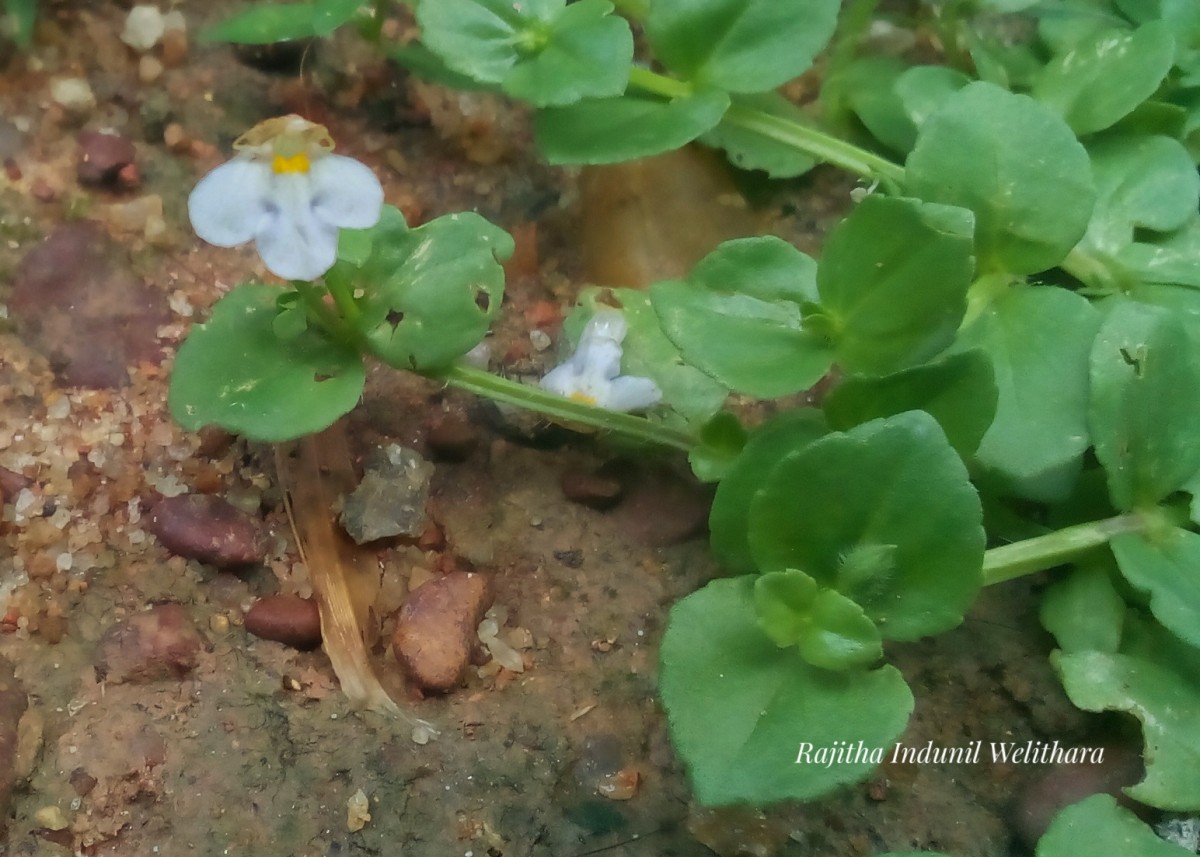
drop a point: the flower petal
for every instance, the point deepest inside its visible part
(345, 192)
(630, 393)
(562, 379)
(598, 358)
(229, 205)
(293, 242)
(606, 323)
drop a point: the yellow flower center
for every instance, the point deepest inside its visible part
(583, 398)
(297, 163)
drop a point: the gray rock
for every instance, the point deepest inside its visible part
(391, 498)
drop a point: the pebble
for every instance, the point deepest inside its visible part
(436, 632)
(391, 498)
(12, 484)
(102, 156)
(142, 215)
(174, 46)
(13, 703)
(150, 69)
(207, 528)
(161, 643)
(287, 619)
(451, 436)
(73, 94)
(75, 300)
(590, 489)
(662, 508)
(144, 28)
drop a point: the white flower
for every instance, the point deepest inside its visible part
(287, 192)
(593, 373)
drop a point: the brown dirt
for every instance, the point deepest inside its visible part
(254, 751)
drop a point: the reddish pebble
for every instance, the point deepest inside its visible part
(102, 157)
(436, 632)
(451, 436)
(129, 177)
(207, 528)
(287, 619)
(11, 484)
(161, 643)
(590, 489)
(543, 314)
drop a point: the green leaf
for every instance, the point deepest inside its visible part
(1165, 568)
(1142, 422)
(1170, 260)
(1097, 825)
(647, 352)
(545, 52)
(738, 317)
(24, 16)
(1168, 706)
(740, 45)
(428, 66)
(1101, 80)
(741, 710)
(234, 372)
(893, 282)
(868, 86)
(1039, 340)
(830, 630)
(729, 518)
(959, 391)
(262, 25)
(1142, 182)
(1084, 611)
(609, 130)
(331, 14)
(922, 90)
(1016, 165)
(721, 441)
(748, 150)
(891, 489)
(355, 245)
(430, 293)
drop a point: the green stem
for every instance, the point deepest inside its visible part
(820, 145)
(318, 310)
(530, 398)
(1096, 271)
(1042, 552)
(339, 290)
(635, 10)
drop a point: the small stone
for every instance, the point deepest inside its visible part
(662, 508)
(161, 643)
(391, 498)
(150, 69)
(622, 785)
(41, 190)
(102, 157)
(51, 818)
(207, 528)
(76, 300)
(287, 619)
(358, 811)
(82, 782)
(214, 442)
(12, 484)
(451, 436)
(436, 632)
(73, 94)
(175, 138)
(590, 489)
(174, 48)
(134, 215)
(144, 27)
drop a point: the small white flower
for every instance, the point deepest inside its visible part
(287, 192)
(593, 373)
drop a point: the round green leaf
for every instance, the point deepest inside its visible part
(729, 517)
(893, 490)
(234, 372)
(1168, 706)
(610, 130)
(741, 711)
(893, 280)
(830, 630)
(1165, 568)
(721, 440)
(1038, 340)
(1084, 611)
(430, 293)
(261, 25)
(1101, 79)
(740, 45)
(749, 150)
(1143, 414)
(1015, 164)
(1097, 825)
(959, 391)
(738, 317)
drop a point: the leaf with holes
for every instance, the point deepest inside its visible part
(430, 293)
(235, 372)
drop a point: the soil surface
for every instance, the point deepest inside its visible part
(142, 718)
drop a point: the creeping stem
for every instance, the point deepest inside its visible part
(318, 310)
(1042, 552)
(556, 407)
(820, 145)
